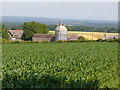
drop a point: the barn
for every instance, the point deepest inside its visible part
(43, 37)
(15, 35)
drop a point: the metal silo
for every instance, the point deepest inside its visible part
(61, 32)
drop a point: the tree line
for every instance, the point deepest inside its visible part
(87, 29)
(70, 28)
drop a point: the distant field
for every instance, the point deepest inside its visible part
(88, 35)
(60, 65)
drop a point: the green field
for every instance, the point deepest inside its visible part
(63, 65)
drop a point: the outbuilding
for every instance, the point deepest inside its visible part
(43, 37)
(15, 35)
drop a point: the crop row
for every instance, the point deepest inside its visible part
(68, 65)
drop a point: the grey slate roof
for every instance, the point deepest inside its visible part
(43, 35)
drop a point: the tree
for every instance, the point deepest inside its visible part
(4, 32)
(32, 27)
(81, 38)
(27, 35)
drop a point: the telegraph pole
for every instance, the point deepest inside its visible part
(105, 34)
(92, 33)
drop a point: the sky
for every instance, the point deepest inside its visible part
(60, 0)
(62, 10)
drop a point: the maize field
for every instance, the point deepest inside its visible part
(60, 65)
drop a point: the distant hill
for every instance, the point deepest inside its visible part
(16, 20)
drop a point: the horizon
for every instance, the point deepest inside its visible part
(62, 18)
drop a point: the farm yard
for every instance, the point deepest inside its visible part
(60, 65)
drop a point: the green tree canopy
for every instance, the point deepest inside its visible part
(81, 38)
(4, 32)
(32, 27)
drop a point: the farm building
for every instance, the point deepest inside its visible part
(61, 33)
(111, 37)
(15, 35)
(73, 37)
(43, 37)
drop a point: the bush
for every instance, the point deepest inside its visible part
(8, 42)
(114, 40)
(106, 40)
(28, 42)
(117, 40)
(72, 40)
(84, 40)
(16, 41)
(44, 42)
(81, 38)
(5, 41)
(35, 41)
(111, 41)
(80, 41)
(101, 40)
(59, 41)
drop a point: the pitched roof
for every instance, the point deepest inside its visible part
(61, 27)
(15, 32)
(44, 35)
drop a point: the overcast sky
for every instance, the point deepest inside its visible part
(61, 10)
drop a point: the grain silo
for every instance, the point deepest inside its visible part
(61, 32)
